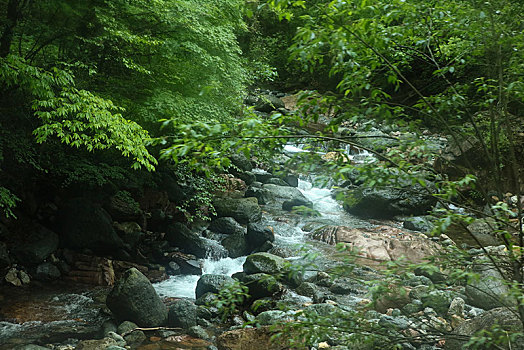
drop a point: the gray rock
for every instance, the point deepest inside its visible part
(241, 161)
(456, 308)
(117, 337)
(236, 245)
(296, 202)
(388, 202)
(267, 318)
(133, 298)
(243, 210)
(282, 193)
(132, 336)
(419, 223)
(122, 207)
(438, 300)
(108, 326)
(86, 225)
(393, 322)
(503, 317)
(211, 283)
(269, 103)
(30, 347)
(258, 233)
(262, 285)
(264, 263)
(198, 332)
(226, 225)
(178, 235)
(291, 180)
(40, 244)
(115, 347)
(47, 272)
(277, 181)
(484, 231)
(12, 277)
(183, 314)
(489, 291)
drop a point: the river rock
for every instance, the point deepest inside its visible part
(283, 193)
(211, 283)
(386, 203)
(236, 245)
(419, 223)
(291, 180)
(262, 285)
(264, 263)
(489, 291)
(268, 103)
(130, 232)
(241, 161)
(97, 344)
(438, 300)
(382, 244)
(243, 210)
(250, 338)
(86, 225)
(40, 244)
(226, 225)
(183, 314)
(288, 205)
(131, 334)
(47, 272)
(271, 317)
(503, 317)
(133, 298)
(178, 235)
(258, 233)
(277, 181)
(484, 231)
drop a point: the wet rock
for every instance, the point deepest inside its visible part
(291, 180)
(277, 181)
(250, 338)
(264, 263)
(40, 244)
(132, 336)
(183, 314)
(226, 225)
(236, 245)
(96, 344)
(178, 235)
(198, 332)
(382, 244)
(296, 202)
(243, 210)
(86, 225)
(282, 193)
(262, 285)
(211, 283)
(258, 233)
(259, 193)
(47, 272)
(386, 203)
(134, 298)
(503, 317)
(174, 268)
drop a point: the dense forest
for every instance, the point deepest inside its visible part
(126, 126)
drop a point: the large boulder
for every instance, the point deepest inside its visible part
(383, 243)
(262, 285)
(39, 245)
(264, 263)
(122, 207)
(236, 245)
(178, 235)
(211, 283)
(283, 193)
(241, 161)
(503, 317)
(388, 202)
(86, 225)
(243, 210)
(226, 225)
(258, 233)
(133, 298)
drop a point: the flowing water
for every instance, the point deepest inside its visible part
(290, 238)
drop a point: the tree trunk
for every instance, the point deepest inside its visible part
(13, 14)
